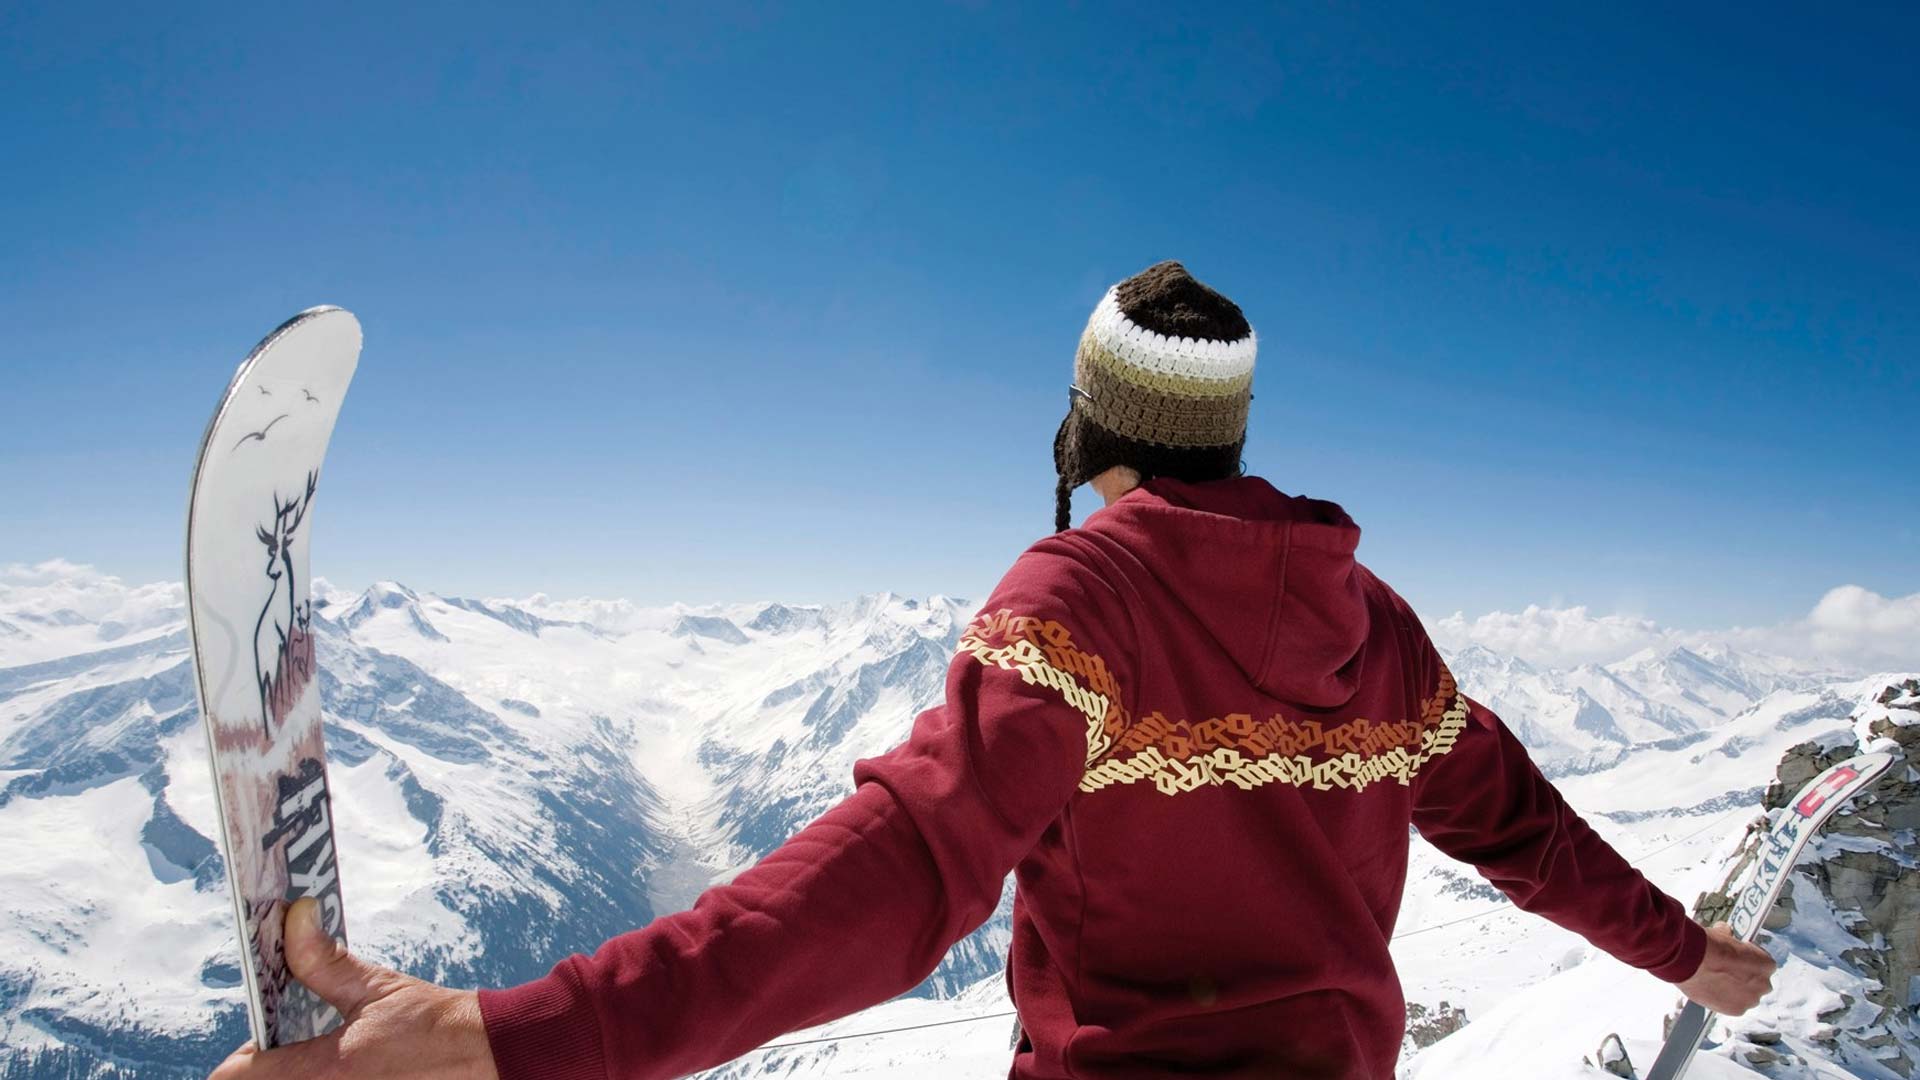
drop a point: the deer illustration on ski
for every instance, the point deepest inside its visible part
(283, 638)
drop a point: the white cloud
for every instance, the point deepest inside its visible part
(1851, 628)
(57, 589)
(613, 616)
(1852, 621)
(46, 573)
(1551, 637)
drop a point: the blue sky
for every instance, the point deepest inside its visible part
(1589, 306)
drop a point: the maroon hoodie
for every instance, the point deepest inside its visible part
(1196, 730)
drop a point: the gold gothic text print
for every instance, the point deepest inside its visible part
(1178, 755)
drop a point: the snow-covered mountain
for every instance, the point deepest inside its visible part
(515, 780)
(1590, 717)
(510, 784)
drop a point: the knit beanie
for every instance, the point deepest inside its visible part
(1161, 383)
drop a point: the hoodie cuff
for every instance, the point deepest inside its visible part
(1693, 949)
(544, 1030)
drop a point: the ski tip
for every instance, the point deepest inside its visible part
(322, 311)
(1872, 764)
(318, 311)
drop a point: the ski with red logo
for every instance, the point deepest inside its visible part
(1788, 833)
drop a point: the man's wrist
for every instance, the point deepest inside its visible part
(1693, 949)
(543, 1030)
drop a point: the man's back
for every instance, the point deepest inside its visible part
(1218, 893)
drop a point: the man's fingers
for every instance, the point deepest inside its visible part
(1734, 975)
(1755, 959)
(1742, 955)
(342, 980)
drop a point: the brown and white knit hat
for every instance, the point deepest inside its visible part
(1162, 381)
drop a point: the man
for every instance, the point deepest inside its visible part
(1196, 729)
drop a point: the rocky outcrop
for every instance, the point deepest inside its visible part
(1428, 1026)
(1853, 904)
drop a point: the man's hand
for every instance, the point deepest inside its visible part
(395, 1026)
(1733, 976)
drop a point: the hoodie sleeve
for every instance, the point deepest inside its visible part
(864, 902)
(1484, 802)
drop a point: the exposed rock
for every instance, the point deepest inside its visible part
(1428, 1026)
(1834, 1014)
(1802, 763)
(1866, 867)
(1905, 693)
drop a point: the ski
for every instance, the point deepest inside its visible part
(1787, 834)
(250, 619)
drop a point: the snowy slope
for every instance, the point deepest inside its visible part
(1670, 811)
(520, 779)
(1821, 1020)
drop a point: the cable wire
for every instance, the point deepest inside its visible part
(1495, 910)
(885, 1031)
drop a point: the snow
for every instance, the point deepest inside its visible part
(960, 1039)
(386, 864)
(464, 728)
(1547, 1031)
(83, 898)
(1902, 709)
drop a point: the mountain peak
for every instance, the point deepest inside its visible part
(384, 596)
(713, 627)
(390, 594)
(1478, 658)
(778, 618)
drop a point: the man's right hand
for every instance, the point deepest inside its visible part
(1733, 976)
(397, 1027)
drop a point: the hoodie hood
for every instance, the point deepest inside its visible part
(1270, 576)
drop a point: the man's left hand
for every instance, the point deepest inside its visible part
(396, 1025)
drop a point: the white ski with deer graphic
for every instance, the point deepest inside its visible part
(250, 616)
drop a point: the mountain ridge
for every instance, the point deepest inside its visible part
(520, 779)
